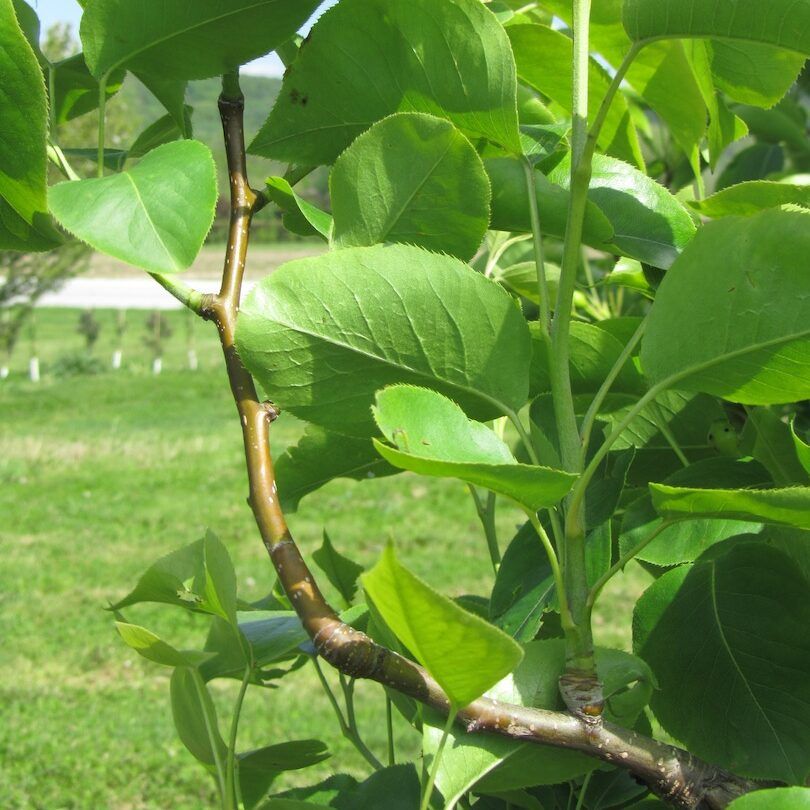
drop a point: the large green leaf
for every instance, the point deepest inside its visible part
(740, 622)
(783, 507)
(785, 23)
(686, 540)
(751, 197)
(186, 40)
(732, 316)
(768, 438)
(543, 57)
(649, 224)
(450, 58)
(510, 204)
(154, 215)
(795, 798)
(383, 315)
(495, 764)
(432, 436)
(465, 654)
(411, 178)
(23, 138)
(321, 456)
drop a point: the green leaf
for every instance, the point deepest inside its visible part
(649, 224)
(779, 125)
(411, 178)
(510, 204)
(521, 279)
(342, 572)
(195, 717)
(171, 93)
(543, 57)
(751, 197)
(219, 586)
(76, 90)
(155, 215)
(384, 315)
(432, 436)
(732, 316)
(802, 448)
(321, 456)
(753, 73)
(465, 654)
(686, 540)
(495, 764)
(785, 23)
(795, 798)
(740, 620)
(258, 768)
(23, 138)
(395, 788)
(186, 40)
(592, 352)
(300, 216)
(449, 58)
(784, 507)
(153, 648)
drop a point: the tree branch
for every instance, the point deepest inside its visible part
(671, 773)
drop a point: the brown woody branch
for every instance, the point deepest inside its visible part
(671, 773)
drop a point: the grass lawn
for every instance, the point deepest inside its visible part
(102, 474)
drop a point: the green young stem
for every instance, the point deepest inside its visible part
(186, 295)
(434, 766)
(661, 423)
(57, 157)
(583, 790)
(524, 436)
(486, 514)
(210, 724)
(389, 727)
(230, 769)
(604, 389)
(102, 121)
(622, 561)
(539, 259)
(565, 612)
(499, 248)
(354, 731)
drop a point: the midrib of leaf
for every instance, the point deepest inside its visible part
(180, 32)
(152, 225)
(732, 658)
(395, 215)
(502, 407)
(673, 379)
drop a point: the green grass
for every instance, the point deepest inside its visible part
(99, 476)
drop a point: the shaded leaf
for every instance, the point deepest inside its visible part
(449, 58)
(186, 40)
(741, 621)
(342, 572)
(649, 224)
(195, 717)
(751, 197)
(321, 456)
(732, 317)
(76, 90)
(411, 178)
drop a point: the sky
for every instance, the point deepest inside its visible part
(52, 11)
